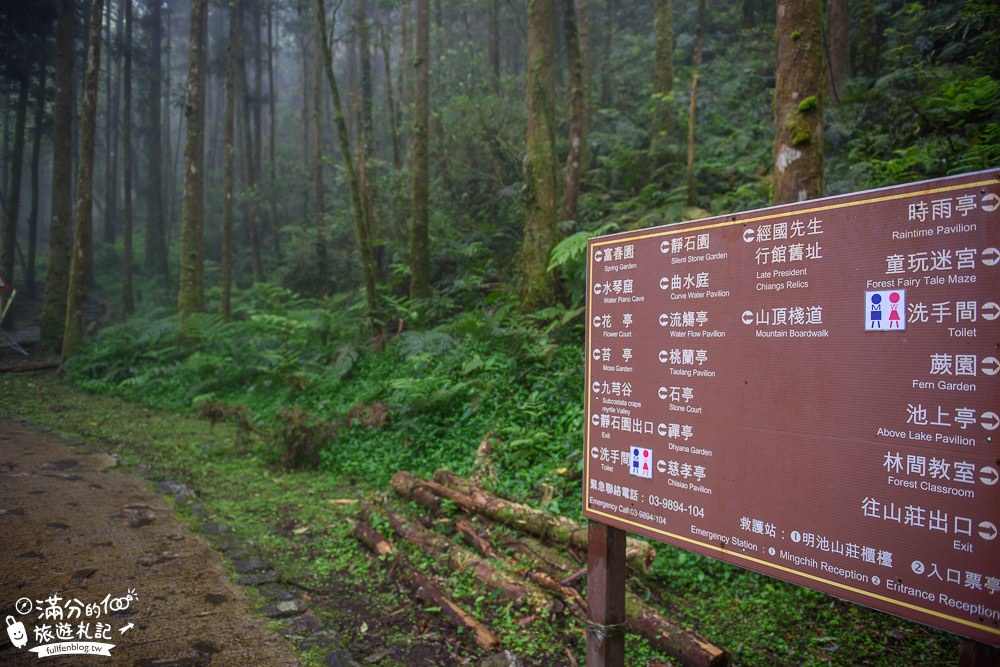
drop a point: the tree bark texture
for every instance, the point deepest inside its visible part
(36, 149)
(8, 243)
(798, 106)
(80, 264)
(128, 291)
(868, 37)
(361, 226)
(156, 231)
(191, 295)
(663, 70)
(319, 180)
(419, 235)
(228, 177)
(538, 284)
(60, 224)
(838, 28)
(577, 27)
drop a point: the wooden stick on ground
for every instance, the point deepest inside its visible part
(427, 591)
(462, 559)
(688, 647)
(547, 526)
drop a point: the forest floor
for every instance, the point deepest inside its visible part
(211, 540)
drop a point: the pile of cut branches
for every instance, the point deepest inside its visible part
(519, 553)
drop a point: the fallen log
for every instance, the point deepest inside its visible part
(475, 540)
(462, 559)
(409, 486)
(427, 591)
(28, 368)
(687, 646)
(547, 526)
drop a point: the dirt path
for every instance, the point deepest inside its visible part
(72, 529)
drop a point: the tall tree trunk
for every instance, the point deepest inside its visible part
(663, 71)
(607, 83)
(60, 223)
(578, 55)
(699, 42)
(171, 155)
(420, 263)
(110, 136)
(838, 23)
(319, 184)
(798, 123)
(36, 150)
(225, 303)
(191, 295)
(361, 225)
(258, 114)
(493, 42)
(273, 122)
(251, 206)
(307, 122)
(8, 244)
(128, 298)
(397, 162)
(79, 267)
(747, 20)
(156, 234)
(538, 287)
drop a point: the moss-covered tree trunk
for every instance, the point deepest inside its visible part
(419, 244)
(663, 70)
(798, 108)
(361, 226)
(577, 27)
(80, 264)
(128, 302)
(228, 177)
(191, 294)
(60, 224)
(538, 284)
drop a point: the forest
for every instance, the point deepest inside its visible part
(353, 232)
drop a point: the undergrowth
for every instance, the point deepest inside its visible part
(299, 372)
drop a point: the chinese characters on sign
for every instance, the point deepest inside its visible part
(811, 391)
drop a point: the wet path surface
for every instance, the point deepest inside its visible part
(74, 529)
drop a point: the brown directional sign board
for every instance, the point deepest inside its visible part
(811, 391)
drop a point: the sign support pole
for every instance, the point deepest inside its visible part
(605, 596)
(976, 654)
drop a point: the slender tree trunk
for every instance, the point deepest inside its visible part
(747, 21)
(838, 23)
(169, 184)
(577, 24)
(318, 171)
(699, 41)
(419, 242)
(156, 234)
(225, 303)
(607, 84)
(538, 286)
(251, 206)
(36, 150)
(663, 71)
(191, 295)
(493, 42)
(798, 123)
(273, 122)
(9, 241)
(79, 267)
(60, 223)
(128, 290)
(258, 118)
(307, 107)
(361, 225)
(110, 137)
(404, 82)
(390, 98)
